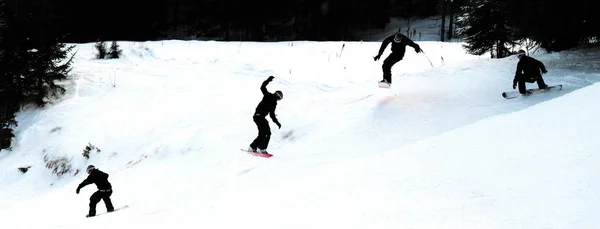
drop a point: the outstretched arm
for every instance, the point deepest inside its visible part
(84, 183)
(263, 87)
(518, 72)
(272, 115)
(411, 43)
(384, 44)
(517, 75)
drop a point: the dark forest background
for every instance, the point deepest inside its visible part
(253, 20)
(556, 25)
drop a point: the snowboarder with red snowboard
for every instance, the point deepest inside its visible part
(266, 107)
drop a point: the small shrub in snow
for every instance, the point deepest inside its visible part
(89, 148)
(24, 169)
(288, 135)
(59, 166)
(55, 129)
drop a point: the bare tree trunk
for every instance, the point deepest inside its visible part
(498, 49)
(450, 29)
(442, 32)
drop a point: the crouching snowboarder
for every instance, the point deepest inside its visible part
(529, 70)
(99, 178)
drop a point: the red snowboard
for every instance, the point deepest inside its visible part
(266, 155)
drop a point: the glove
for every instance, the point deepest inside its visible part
(544, 71)
(77, 191)
(418, 49)
(514, 84)
(271, 78)
(278, 125)
(376, 58)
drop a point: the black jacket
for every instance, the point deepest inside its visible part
(96, 177)
(529, 68)
(398, 48)
(268, 103)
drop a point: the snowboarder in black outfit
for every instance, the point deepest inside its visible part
(266, 107)
(399, 43)
(99, 178)
(528, 70)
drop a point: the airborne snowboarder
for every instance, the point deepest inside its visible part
(399, 43)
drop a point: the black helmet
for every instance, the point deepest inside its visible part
(279, 95)
(90, 168)
(521, 53)
(398, 37)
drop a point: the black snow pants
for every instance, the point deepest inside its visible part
(387, 65)
(540, 82)
(101, 195)
(264, 133)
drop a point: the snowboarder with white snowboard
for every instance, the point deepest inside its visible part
(529, 70)
(95, 176)
(399, 43)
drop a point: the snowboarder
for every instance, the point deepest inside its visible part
(398, 49)
(99, 178)
(528, 70)
(266, 107)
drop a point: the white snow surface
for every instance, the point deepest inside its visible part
(439, 149)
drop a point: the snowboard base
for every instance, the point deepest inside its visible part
(116, 209)
(265, 155)
(383, 85)
(515, 94)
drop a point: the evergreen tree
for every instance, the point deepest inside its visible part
(114, 52)
(100, 50)
(291, 19)
(31, 60)
(554, 25)
(485, 28)
(8, 107)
